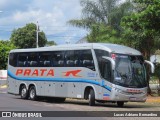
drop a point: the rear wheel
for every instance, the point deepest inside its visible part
(120, 103)
(32, 93)
(24, 92)
(91, 97)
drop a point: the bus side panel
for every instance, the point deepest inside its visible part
(12, 87)
(61, 89)
(75, 90)
(49, 88)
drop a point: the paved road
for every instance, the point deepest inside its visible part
(14, 103)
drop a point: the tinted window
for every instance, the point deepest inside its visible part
(99, 54)
(45, 59)
(22, 60)
(86, 59)
(105, 69)
(32, 60)
(72, 58)
(13, 59)
(58, 58)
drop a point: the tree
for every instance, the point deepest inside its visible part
(102, 16)
(142, 28)
(101, 33)
(25, 37)
(157, 70)
(50, 43)
(94, 12)
(5, 47)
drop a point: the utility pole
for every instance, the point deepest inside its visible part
(37, 34)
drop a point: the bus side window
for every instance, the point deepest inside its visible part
(72, 58)
(87, 59)
(22, 60)
(105, 69)
(45, 59)
(58, 58)
(32, 60)
(13, 59)
(99, 54)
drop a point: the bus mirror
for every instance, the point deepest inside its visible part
(111, 60)
(151, 64)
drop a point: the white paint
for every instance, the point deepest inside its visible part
(3, 74)
(79, 96)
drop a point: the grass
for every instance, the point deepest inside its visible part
(154, 80)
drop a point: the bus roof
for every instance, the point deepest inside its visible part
(113, 48)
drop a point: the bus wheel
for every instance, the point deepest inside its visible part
(24, 92)
(120, 103)
(32, 93)
(91, 97)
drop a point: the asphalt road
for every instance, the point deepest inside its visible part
(14, 103)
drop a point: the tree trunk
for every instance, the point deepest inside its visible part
(148, 69)
(148, 78)
(159, 86)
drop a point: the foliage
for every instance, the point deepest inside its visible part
(143, 26)
(102, 18)
(5, 47)
(141, 29)
(94, 12)
(25, 37)
(50, 43)
(104, 34)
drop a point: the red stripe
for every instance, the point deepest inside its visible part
(105, 98)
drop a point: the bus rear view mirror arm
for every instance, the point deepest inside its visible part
(151, 64)
(111, 60)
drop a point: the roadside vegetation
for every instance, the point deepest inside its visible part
(134, 23)
(24, 37)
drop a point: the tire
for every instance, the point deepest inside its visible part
(24, 92)
(120, 103)
(32, 93)
(91, 97)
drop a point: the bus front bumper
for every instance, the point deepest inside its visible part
(122, 95)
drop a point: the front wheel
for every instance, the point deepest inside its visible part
(91, 97)
(32, 93)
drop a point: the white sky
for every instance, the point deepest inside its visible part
(52, 16)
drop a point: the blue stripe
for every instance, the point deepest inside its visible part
(106, 95)
(58, 80)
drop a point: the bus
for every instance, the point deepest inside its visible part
(97, 72)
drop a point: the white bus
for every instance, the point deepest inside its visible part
(93, 71)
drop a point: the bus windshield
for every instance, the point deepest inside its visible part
(130, 71)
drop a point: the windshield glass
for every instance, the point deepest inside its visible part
(130, 71)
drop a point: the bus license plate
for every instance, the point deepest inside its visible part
(132, 98)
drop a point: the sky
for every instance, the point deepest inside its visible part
(52, 17)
